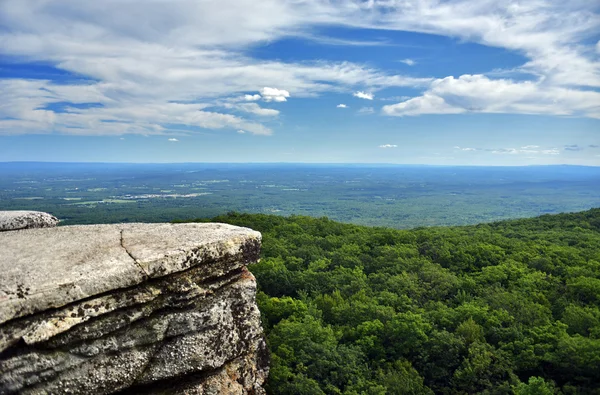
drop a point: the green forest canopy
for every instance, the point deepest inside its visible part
(500, 308)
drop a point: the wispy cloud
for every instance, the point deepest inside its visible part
(573, 147)
(147, 77)
(252, 108)
(408, 62)
(342, 106)
(363, 95)
(395, 98)
(346, 42)
(524, 150)
(366, 110)
(173, 140)
(388, 146)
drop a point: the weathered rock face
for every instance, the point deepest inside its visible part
(14, 220)
(132, 308)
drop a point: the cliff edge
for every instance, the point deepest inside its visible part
(130, 308)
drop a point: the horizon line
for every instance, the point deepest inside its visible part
(298, 163)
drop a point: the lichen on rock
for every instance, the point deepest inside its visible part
(19, 219)
(136, 308)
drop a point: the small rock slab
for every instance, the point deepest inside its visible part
(49, 268)
(18, 219)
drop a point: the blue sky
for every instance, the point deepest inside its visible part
(450, 82)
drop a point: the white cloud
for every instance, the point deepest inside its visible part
(241, 131)
(344, 42)
(515, 151)
(511, 151)
(469, 149)
(363, 95)
(366, 110)
(530, 147)
(24, 112)
(388, 146)
(479, 94)
(408, 62)
(426, 104)
(553, 151)
(252, 97)
(196, 52)
(252, 108)
(395, 98)
(342, 106)
(274, 94)
(173, 140)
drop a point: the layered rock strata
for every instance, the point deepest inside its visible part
(130, 308)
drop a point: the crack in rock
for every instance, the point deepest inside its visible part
(132, 257)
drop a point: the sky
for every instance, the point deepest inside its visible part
(442, 82)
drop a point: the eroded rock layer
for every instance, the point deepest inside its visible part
(137, 308)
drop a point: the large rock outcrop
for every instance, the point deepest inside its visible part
(18, 219)
(130, 308)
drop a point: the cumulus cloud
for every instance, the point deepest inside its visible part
(480, 94)
(274, 94)
(426, 104)
(363, 95)
(388, 146)
(252, 97)
(342, 106)
(173, 140)
(408, 62)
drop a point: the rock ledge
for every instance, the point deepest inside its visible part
(15, 220)
(130, 308)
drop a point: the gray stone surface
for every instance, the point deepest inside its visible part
(48, 268)
(15, 220)
(137, 308)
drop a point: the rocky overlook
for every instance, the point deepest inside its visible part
(130, 308)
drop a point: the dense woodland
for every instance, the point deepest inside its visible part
(499, 308)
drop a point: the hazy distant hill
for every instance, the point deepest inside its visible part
(377, 195)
